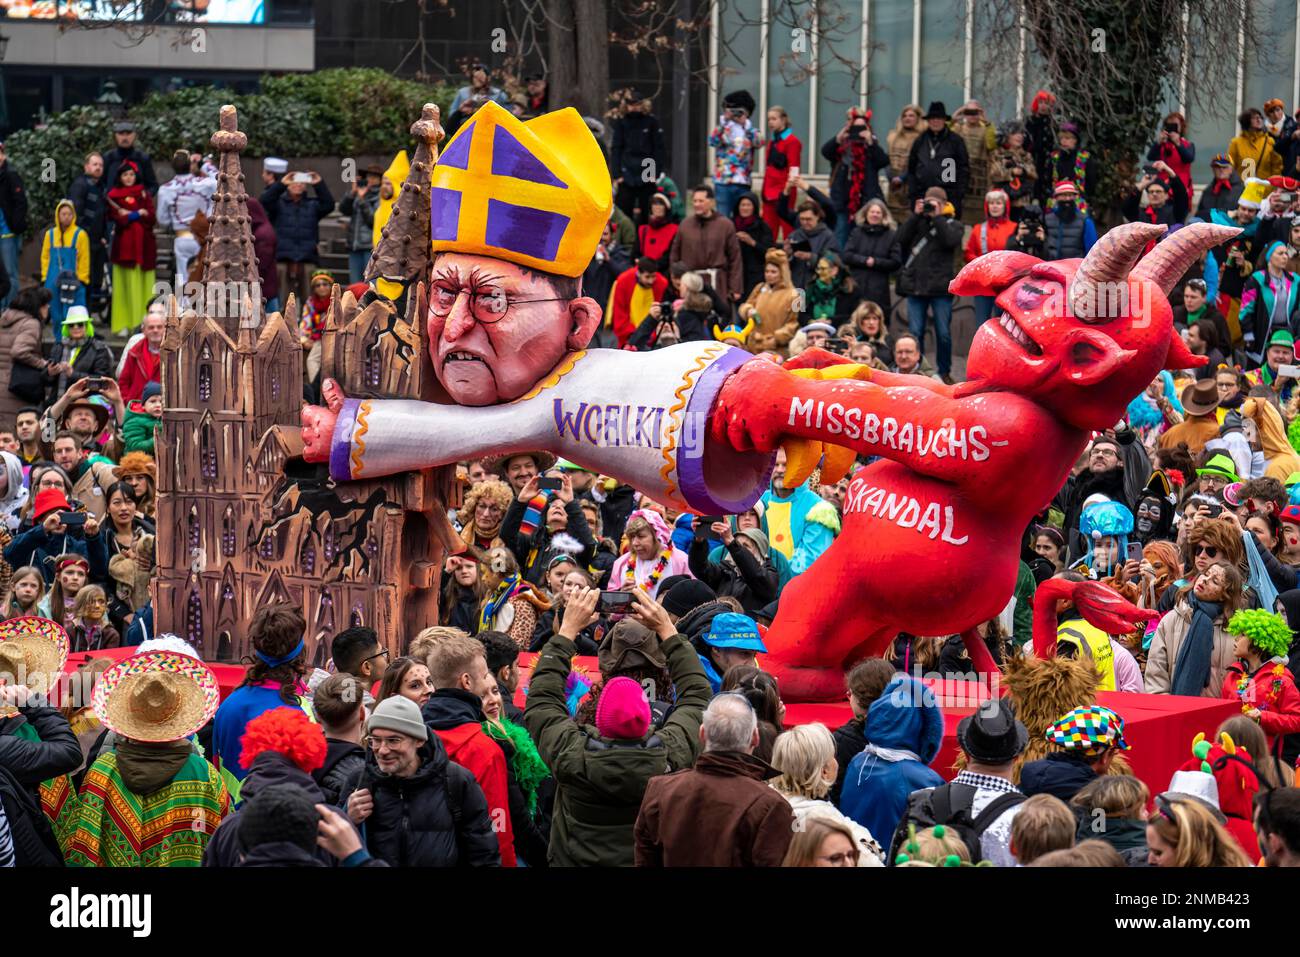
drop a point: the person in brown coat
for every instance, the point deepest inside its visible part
(1200, 420)
(707, 243)
(719, 813)
(20, 344)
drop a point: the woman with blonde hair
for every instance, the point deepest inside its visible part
(899, 142)
(822, 842)
(870, 252)
(805, 756)
(772, 305)
(870, 325)
(482, 513)
(1183, 832)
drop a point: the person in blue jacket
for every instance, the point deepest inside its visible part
(905, 729)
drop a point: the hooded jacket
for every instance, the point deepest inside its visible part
(905, 718)
(1062, 774)
(456, 717)
(437, 817)
(735, 819)
(751, 581)
(268, 768)
(776, 318)
(343, 761)
(990, 235)
(56, 237)
(601, 782)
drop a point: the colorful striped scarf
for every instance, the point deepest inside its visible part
(532, 515)
(169, 828)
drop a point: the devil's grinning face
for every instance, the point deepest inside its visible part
(1040, 349)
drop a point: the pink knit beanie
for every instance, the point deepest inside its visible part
(622, 711)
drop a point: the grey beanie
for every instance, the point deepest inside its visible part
(398, 714)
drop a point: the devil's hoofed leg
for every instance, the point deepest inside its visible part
(813, 641)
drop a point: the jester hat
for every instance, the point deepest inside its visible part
(535, 193)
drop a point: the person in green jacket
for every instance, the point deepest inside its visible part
(601, 772)
(142, 417)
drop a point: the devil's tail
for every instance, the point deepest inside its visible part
(1100, 606)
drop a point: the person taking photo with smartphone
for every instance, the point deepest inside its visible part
(602, 770)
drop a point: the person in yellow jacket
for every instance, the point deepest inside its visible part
(1253, 151)
(65, 264)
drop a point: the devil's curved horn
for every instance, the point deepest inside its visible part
(1172, 257)
(1109, 261)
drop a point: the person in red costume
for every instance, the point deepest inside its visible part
(1079, 339)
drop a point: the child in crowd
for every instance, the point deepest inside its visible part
(91, 629)
(142, 418)
(26, 589)
(1260, 678)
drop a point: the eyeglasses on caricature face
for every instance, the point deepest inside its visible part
(486, 305)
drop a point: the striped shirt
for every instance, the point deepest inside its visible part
(6, 841)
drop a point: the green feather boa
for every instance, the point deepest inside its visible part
(530, 771)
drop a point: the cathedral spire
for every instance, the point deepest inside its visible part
(402, 254)
(229, 256)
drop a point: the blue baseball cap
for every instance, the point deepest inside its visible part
(733, 630)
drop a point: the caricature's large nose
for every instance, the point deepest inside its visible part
(460, 320)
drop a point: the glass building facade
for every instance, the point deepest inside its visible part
(917, 51)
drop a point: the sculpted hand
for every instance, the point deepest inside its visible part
(318, 423)
(752, 407)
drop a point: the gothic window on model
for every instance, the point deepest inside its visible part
(307, 558)
(325, 614)
(194, 620)
(267, 548)
(358, 617)
(207, 453)
(229, 538)
(205, 382)
(275, 385)
(373, 369)
(193, 533)
(331, 543)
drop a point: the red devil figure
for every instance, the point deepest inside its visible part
(931, 529)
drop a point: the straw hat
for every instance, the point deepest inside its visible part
(157, 696)
(33, 652)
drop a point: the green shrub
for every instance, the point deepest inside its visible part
(327, 113)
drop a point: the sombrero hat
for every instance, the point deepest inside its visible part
(497, 463)
(157, 696)
(33, 652)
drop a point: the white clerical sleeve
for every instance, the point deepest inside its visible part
(640, 417)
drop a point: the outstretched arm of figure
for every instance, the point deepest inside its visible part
(763, 405)
(370, 438)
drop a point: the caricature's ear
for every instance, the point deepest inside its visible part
(991, 273)
(584, 320)
(1091, 357)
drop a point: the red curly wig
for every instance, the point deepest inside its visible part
(286, 731)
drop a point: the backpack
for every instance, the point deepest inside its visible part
(951, 805)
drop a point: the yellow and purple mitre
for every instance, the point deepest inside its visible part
(536, 193)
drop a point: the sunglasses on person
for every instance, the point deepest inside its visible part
(1207, 550)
